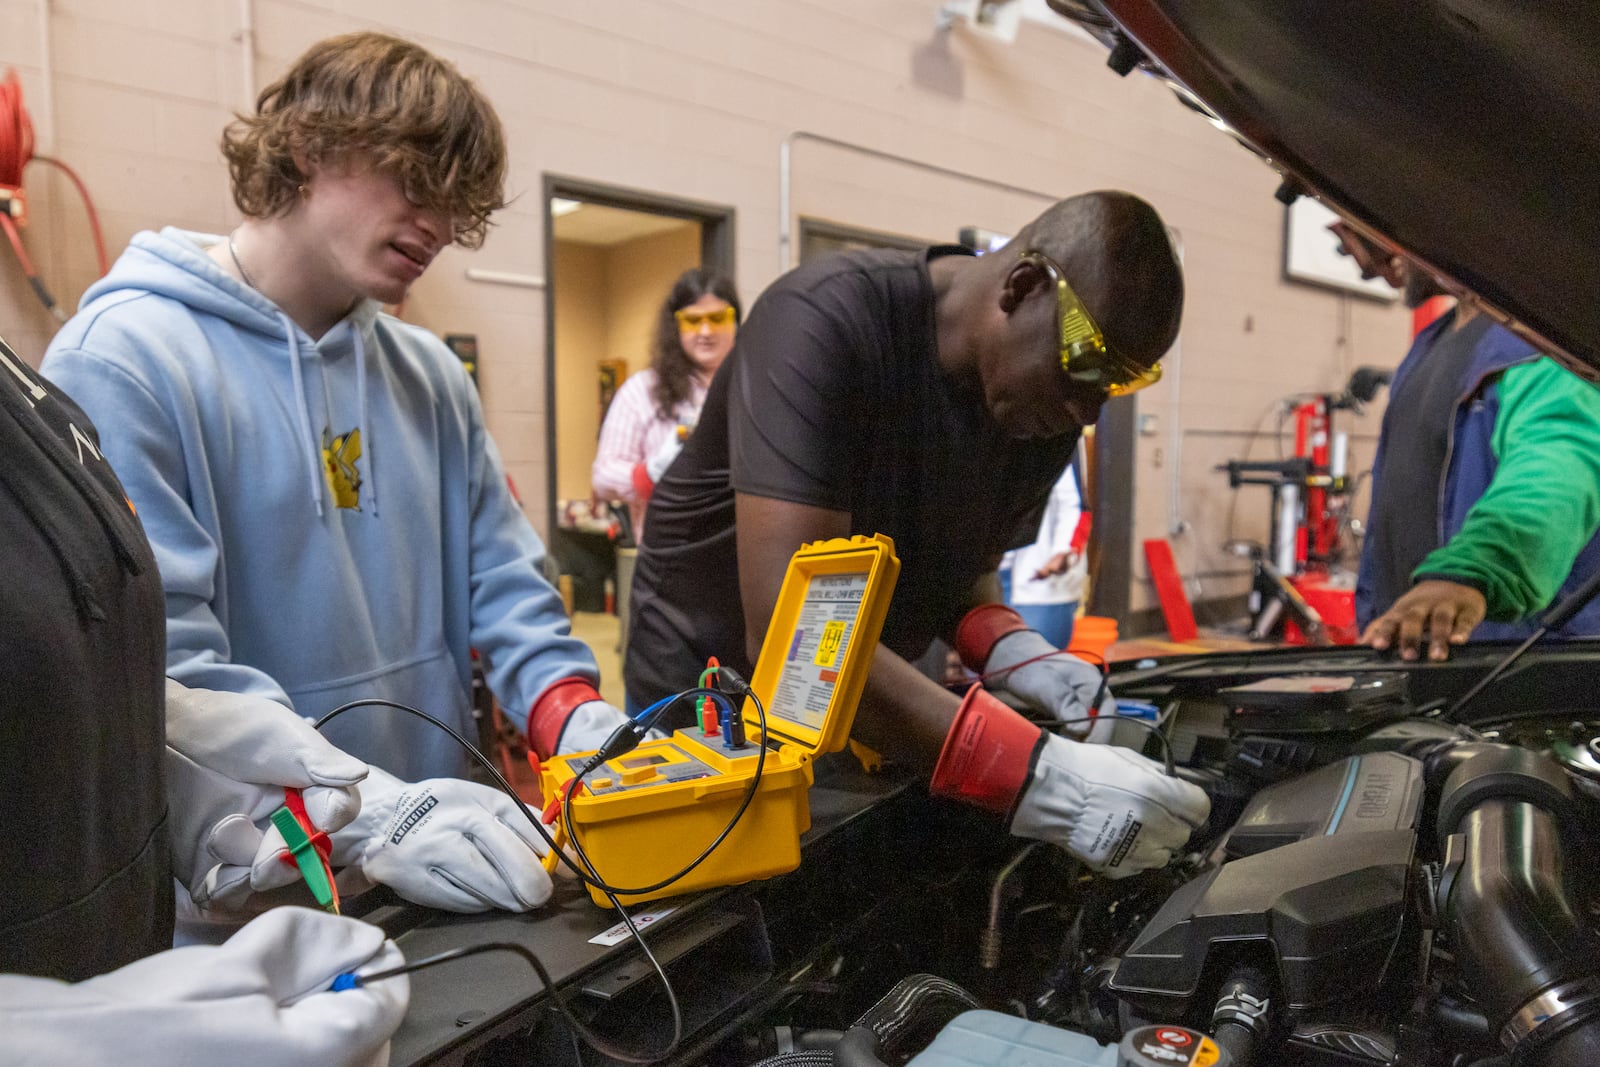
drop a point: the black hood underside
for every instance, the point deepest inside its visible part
(1465, 132)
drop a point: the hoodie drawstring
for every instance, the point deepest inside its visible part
(298, 377)
(369, 444)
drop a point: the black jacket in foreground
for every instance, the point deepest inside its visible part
(86, 867)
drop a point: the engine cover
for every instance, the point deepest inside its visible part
(1315, 874)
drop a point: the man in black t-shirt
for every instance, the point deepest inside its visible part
(934, 397)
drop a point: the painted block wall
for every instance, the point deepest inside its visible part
(695, 99)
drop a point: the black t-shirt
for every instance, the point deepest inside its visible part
(833, 397)
(1404, 514)
(86, 865)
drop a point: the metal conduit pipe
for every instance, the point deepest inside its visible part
(989, 941)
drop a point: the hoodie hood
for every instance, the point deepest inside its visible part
(176, 264)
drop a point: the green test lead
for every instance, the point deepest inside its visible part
(307, 858)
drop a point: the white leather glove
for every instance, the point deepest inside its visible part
(570, 717)
(588, 727)
(228, 760)
(1059, 685)
(259, 1000)
(657, 462)
(446, 843)
(1115, 810)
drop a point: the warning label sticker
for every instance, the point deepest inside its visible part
(820, 643)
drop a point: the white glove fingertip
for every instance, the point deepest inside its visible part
(356, 1024)
(224, 888)
(236, 840)
(518, 864)
(337, 769)
(332, 808)
(524, 830)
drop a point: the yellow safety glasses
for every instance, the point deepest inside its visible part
(690, 321)
(1085, 356)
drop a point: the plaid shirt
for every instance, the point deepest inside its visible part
(633, 430)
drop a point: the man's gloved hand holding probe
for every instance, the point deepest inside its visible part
(229, 758)
(1113, 809)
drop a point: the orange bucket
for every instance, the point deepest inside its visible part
(1093, 635)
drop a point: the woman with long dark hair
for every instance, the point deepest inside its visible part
(654, 411)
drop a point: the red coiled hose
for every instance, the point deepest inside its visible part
(16, 152)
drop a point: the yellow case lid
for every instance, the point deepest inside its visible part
(818, 649)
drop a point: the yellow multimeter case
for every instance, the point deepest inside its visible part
(646, 814)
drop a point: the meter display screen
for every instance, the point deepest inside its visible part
(817, 648)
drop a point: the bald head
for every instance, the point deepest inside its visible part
(1118, 259)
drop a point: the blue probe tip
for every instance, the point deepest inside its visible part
(345, 981)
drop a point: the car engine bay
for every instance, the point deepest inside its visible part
(1377, 885)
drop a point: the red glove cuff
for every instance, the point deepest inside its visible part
(987, 755)
(1080, 532)
(548, 716)
(980, 629)
(642, 485)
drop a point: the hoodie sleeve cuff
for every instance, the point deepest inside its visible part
(550, 711)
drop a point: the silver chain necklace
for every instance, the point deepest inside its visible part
(233, 250)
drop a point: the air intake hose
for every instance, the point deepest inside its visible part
(1524, 955)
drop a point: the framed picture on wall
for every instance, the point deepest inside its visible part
(1311, 254)
(612, 373)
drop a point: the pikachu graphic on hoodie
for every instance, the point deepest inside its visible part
(339, 457)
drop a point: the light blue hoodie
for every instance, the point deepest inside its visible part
(233, 433)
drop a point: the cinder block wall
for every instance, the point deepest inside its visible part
(694, 98)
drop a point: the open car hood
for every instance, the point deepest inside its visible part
(1465, 132)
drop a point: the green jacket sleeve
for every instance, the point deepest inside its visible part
(1519, 541)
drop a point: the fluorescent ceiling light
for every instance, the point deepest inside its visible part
(560, 206)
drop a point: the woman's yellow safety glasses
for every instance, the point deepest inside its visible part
(690, 321)
(1085, 356)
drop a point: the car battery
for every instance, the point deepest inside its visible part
(643, 816)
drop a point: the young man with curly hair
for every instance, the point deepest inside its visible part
(330, 518)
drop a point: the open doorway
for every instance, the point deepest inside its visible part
(611, 258)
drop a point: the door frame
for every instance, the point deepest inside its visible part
(717, 247)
